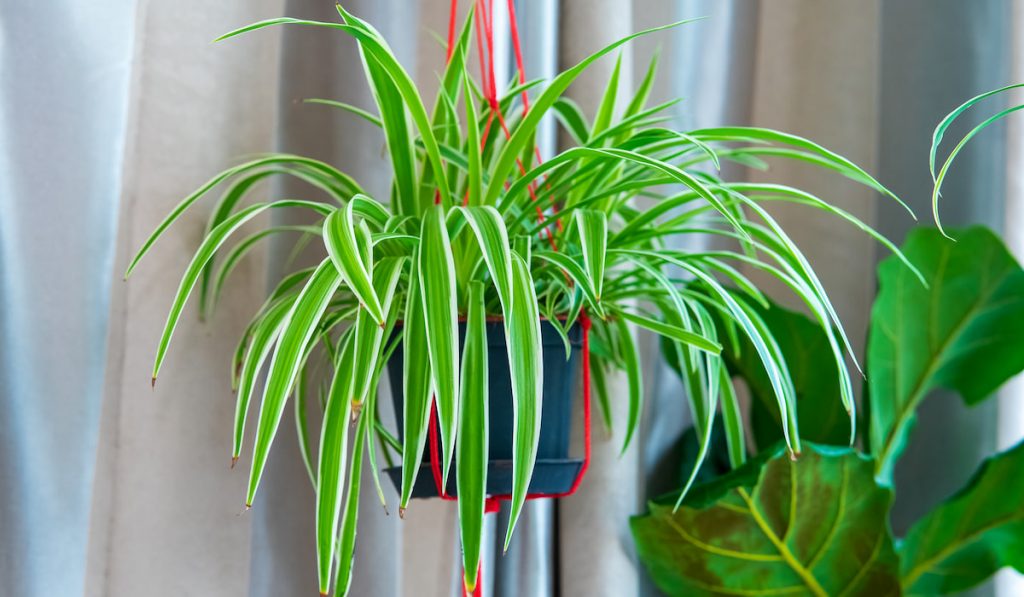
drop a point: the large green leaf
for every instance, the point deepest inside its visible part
(471, 469)
(806, 351)
(963, 333)
(971, 535)
(814, 526)
(438, 294)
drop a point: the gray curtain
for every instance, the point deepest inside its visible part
(64, 76)
(113, 112)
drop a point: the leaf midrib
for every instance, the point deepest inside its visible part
(918, 570)
(805, 575)
(910, 406)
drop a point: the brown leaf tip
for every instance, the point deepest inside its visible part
(401, 513)
(152, 383)
(234, 459)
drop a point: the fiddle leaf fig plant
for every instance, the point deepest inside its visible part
(476, 227)
(818, 525)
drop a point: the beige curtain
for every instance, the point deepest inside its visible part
(168, 516)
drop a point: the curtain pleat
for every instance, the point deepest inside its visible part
(64, 77)
(168, 515)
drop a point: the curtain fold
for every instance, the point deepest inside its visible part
(168, 515)
(64, 77)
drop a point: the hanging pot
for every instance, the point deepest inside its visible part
(555, 471)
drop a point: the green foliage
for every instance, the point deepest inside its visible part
(972, 534)
(471, 476)
(958, 331)
(473, 227)
(943, 127)
(805, 348)
(814, 526)
(963, 333)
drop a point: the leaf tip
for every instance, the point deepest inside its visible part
(234, 460)
(401, 513)
(152, 383)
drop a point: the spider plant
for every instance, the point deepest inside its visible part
(939, 176)
(475, 227)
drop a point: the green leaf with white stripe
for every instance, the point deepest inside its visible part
(471, 470)
(331, 462)
(350, 517)
(209, 246)
(593, 230)
(527, 368)
(492, 236)
(369, 335)
(416, 387)
(262, 343)
(438, 294)
(634, 376)
(302, 322)
(345, 253)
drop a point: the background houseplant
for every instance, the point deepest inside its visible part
(820, 525)
(490, 255)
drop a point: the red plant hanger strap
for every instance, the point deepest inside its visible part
(484, 22)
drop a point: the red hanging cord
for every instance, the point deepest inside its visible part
(484, 22)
